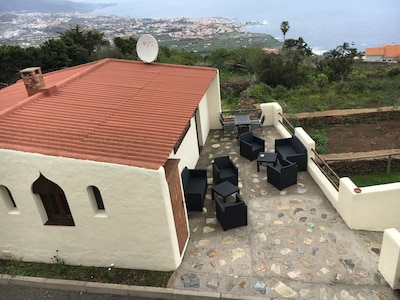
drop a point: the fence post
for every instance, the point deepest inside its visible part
(388, 164)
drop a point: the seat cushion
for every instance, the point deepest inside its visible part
(227, 173)
(255, 147)
(286, 150)
(195, 185)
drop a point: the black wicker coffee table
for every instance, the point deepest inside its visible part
(266, 157)
(224, 189)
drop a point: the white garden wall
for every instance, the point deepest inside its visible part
(389, 260)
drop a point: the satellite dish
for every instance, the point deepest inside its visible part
(147, 48)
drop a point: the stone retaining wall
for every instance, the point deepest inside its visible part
(353, 167)
(360, 167)
(356, 117)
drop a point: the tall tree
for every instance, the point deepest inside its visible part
(127, 47)
(53, 55)
(285, 28)
(13, 59)
(90, 40)
(76, 53)
(340, 61)
(298, 45)
(286, 69)
(221, 58)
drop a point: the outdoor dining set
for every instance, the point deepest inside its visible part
(289, 157)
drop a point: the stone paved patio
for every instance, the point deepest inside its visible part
(295, 245)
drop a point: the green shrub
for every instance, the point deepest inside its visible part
(321, 140)
(261, 92)
(321, 80)
(393, 72)
(237, 84)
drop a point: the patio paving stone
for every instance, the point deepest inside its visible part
(295, 246)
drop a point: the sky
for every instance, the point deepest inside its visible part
(246, 9)
(371, 22)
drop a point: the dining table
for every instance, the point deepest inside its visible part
(242, 124)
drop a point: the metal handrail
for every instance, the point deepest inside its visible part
(336, 179)
(286, 122)
(363, 157)
(389, 155)
(231, 112)
(241, 110)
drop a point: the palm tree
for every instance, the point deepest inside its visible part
(284, 28)
(91, 40)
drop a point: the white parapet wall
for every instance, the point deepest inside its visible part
(372, 208)
(389, 260)
(273, 117)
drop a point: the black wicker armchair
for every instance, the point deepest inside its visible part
(231, 214)
(251, 145)
(224, 169)
(283, 175)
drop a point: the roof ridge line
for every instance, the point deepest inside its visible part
(58, 85)
(83, 72)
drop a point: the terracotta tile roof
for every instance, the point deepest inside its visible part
(386, 51)
(16, 93)
(271, 50)
(374, 51)
(116, 111)
(392, 51)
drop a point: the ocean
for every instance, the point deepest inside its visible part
(323, 24)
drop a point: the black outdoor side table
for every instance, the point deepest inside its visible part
(266, 157)
(224, 189)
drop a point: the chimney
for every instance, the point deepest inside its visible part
(34, 83)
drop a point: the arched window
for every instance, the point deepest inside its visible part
(96, 201)
(97, 197)
(8, 199)
(54, 202)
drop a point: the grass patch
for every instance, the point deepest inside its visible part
(110, 274)
(375, 178)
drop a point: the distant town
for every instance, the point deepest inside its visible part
(32, 29)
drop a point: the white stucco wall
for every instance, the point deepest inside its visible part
(374, 208)
(373, 58)
(136, 231)
(389, 259)
(214, 103)
(204, 115)
(208, 110)
(137, 228)
(188, 152)
(324, 184)
(271, 112)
